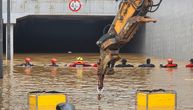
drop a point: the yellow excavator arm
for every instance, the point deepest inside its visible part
(130, 15)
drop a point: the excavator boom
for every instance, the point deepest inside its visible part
(130, 15)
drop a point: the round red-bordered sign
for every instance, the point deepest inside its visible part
(75, 5)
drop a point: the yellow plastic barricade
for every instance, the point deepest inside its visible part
(41, 100)
(156, 100)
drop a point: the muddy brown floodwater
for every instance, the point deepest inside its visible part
(80, 84)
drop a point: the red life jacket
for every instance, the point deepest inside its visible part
(79, 63)
(189, 65)
(95, 65)
(72, 65)
(84, 64)
(171, 65)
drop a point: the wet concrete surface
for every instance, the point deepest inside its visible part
(80, 84)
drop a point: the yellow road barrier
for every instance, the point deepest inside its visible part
(156, 100)
(45, 100)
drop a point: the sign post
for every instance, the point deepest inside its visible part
(75, 5)
(1, 40)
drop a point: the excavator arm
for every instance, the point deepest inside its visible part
(130, 15)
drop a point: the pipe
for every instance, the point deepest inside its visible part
(1, 40)
(8, 39)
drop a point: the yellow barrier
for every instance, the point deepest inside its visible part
(45, 100)
(156, 100)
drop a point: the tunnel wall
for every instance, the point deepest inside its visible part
(59, 34)
(172, 35)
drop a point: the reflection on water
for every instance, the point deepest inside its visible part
(80, 83)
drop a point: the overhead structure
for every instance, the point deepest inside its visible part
(131, 14)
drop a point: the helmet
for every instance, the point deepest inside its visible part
(79, 59)
(191, 60)
(53, 60)
(124, 60)
(27, 59)
(170, 60)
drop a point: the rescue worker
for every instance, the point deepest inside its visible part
(65, 106)
(27, 62)
(191, 64)
(79, 61)
(148, 63)
(169, 65)
(53, 62)
(124, 64)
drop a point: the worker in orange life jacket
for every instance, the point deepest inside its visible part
(27, 62)
(54, 62)
(169, 65)
(191, 64)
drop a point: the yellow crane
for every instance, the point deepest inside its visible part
(130, 15)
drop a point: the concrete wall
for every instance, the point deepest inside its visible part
(20, 8)
(172, 35)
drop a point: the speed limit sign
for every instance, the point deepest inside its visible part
(75, 5)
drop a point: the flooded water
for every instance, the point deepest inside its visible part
(80, 84)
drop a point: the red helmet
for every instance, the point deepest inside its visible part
(170, 60)
(53, 60)
(27, 59)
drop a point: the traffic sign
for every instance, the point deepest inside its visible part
(75, 5)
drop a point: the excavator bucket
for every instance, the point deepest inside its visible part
(130, 15)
